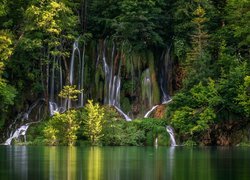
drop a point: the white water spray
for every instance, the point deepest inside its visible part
(22, 129)
(171, 133)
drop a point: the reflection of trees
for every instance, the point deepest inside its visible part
(52, 162)
(22, 165)
(193, 163)
(61, 163)
(71, 163)
(94, 163)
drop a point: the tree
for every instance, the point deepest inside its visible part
(93, 123)
(7, 92)
(48, 33)
(62, 129)
(194, 117)
(244, 95)
(5, 48)
(237, 25)
(69, 93)
(138, 23)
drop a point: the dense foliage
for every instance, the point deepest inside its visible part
(208, 41)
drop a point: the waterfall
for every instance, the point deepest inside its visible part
(52, 105)
(156, 141)
(121, 112)
(72, 65)
(112, 82)
(72, 61)
(22, 129)
(53, 108)
(150, 111)
(154, 107)
(165, 96)
(171, 134)
(165, 67)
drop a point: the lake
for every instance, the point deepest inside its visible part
(180, 163)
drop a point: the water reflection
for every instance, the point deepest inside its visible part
(58, 163)
(94, 163)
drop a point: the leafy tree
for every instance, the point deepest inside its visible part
(69, 93)
(244, 95)
(93, 123)
(7, 92)
(5, 48)
(117, 132)
(195, 117)
(48, 31)
(62, 129)
(7, 95)
(137, 22)
(237, 25)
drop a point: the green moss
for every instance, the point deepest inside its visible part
(125, 104)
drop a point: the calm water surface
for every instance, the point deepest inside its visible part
(180, 163)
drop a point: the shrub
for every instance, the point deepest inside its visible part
(62, 129)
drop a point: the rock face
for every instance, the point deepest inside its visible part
(228, 133)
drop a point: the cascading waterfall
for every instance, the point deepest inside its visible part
(53, 104)
(150, 111)
(154, 107)
(165, 96)
(164, 79)
(112, 82)
(72, 66)
(53, 107)
(165, 74)
(171, 134)
(22, 129)
(112, 87)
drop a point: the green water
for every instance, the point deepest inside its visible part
(28, 162)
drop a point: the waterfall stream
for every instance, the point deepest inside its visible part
(112, 82)
(23, 119)
(171, 134)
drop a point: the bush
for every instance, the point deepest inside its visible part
(138, 132)
(93, 122)
(119, 132)
(61, 129)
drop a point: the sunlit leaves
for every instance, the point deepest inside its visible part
(62, 129)
(69, 92)
(47, 17)
(93, 123)
(5, 46)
